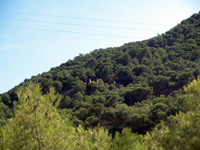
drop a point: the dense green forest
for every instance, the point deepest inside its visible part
(142, 95)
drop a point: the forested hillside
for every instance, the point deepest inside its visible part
(131, 86)
(38, 124)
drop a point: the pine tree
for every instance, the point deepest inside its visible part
(37, 123)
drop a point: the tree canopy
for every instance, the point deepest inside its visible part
(112, 95)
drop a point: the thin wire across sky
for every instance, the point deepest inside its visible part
(107, 20)
(63, 23)
(77, 24)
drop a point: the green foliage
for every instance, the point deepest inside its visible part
(37, 123)
(127, 140)
(5, 113)
(180, 131)
(131, 86)
(92, 139)
(80, 86)
(58, 85)
(193, 89)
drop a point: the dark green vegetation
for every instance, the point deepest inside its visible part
(38, 124)
(130, 87)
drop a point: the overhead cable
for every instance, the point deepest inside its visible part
(97, 26)
(83, 18)
(64, 31)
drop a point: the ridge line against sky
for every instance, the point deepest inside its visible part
(25, 52)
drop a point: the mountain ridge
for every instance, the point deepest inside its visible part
(145, 70)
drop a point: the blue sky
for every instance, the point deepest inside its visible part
(27, 48)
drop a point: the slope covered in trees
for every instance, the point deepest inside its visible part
(37, 124)
(128, 86)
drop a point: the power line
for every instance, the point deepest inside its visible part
(63, 31)
(98, 26)
(107, 20)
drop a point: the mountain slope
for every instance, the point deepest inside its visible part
(121, 87)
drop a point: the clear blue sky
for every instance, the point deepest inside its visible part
(26, 49)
